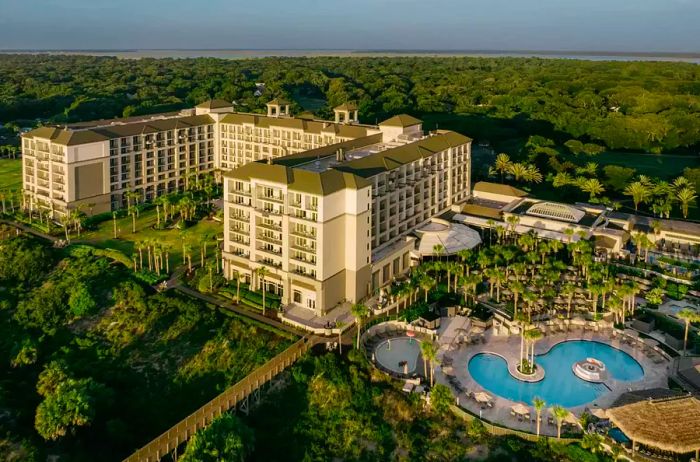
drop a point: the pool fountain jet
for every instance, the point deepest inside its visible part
(590, 370)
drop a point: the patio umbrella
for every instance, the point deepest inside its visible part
(520, 408)
(482, 397)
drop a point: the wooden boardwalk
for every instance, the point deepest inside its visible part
(234, 396)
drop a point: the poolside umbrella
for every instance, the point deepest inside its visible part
(411, 333)
(651, 342)
(482, 397)
(599, 413)
(520, 408)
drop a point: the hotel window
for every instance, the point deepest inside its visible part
(311, 303)
(297, 296)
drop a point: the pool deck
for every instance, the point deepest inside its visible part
(655, 375)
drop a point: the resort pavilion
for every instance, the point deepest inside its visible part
(670, 423)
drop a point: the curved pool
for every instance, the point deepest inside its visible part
(393, 352)
(560, 385)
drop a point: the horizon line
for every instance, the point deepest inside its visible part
(694, 54)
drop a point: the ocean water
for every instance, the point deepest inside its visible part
(249, 54)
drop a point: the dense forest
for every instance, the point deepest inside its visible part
(95, 362)
(644, 106)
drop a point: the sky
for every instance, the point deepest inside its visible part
(583, 25)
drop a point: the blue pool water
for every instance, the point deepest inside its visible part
(617, 435)
(560, 385)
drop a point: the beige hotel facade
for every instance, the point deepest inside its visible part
(93, 164)
(327, 207)
(333, 224)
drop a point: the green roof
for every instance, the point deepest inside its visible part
(214, 104)
(316, 127)
(278, 102)
(390, 159)
(349, 106)
(296, 179)
(303, 157)
(401, 120)
(69, 137)
(501, 189)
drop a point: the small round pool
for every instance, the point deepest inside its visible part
(392, 353)
(560, 385)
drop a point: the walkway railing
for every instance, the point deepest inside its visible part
(502, 431)
(230, 398)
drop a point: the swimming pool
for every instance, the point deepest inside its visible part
(390, 353)
(560, 385)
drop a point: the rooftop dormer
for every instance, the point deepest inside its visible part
(346, 113)
(278, 107)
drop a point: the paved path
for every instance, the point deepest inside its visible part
(30, 230)
(238, 310)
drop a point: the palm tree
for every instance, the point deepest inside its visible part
(531, 337)
(568, 290)
(639, 192)
(470, 282)
(429, 353)
(114, 225)
(236, 274)
(426, 283)
(517, 288)
(688, 316)
(438, 250)
(502, 164)
(262, 272)
(559, 414)
(359, 311)
(592, 186)
(594, 291)
(539, 405)
(686, 196)
(569, 232)
(339, 325)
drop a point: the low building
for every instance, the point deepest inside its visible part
(493, 205)
(659, 419)
(334, 224)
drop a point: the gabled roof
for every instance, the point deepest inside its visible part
(390, 159)
(349, 106)
(401, 120)
(297, 179)
(117, 129)
(500, 189)
(214, 104)
(299, 123)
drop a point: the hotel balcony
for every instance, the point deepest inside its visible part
(271, 226)
(303, 259)
(276, 198)
(271, 240)
(302, 233)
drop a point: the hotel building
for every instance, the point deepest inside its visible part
(91, 165)
(335, 223)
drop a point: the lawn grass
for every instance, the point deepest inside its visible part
(662, 166)
(10, 174)
(103, 237)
